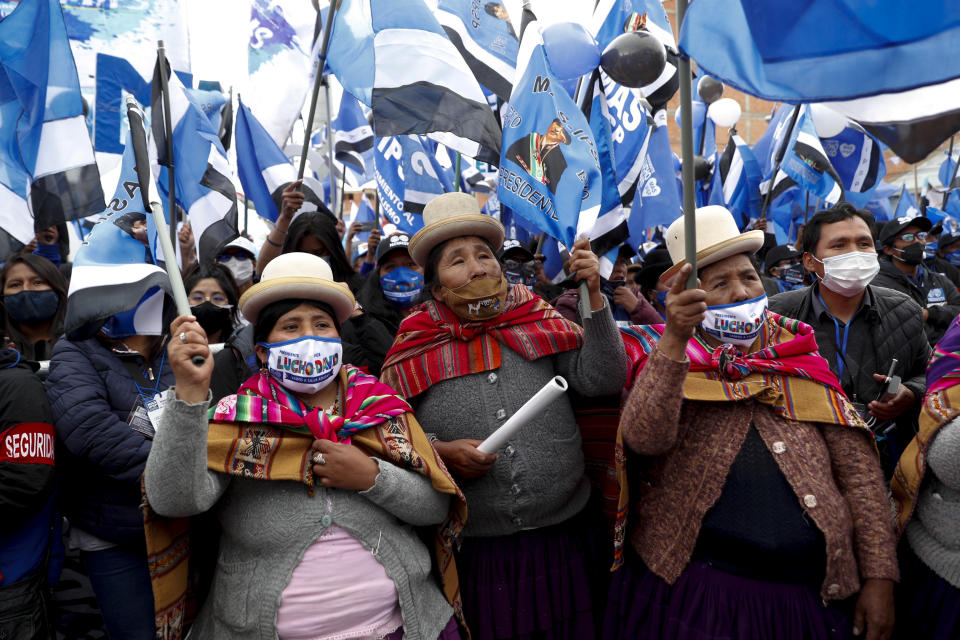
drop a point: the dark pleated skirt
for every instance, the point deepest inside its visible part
(709, 604)
(535, 585)
(928, 607)
(450, 632)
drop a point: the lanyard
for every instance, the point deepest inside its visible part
(147, 392)
(841, 346)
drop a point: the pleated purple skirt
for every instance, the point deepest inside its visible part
(928, 607)
(450, 632)
(708, 604)
(535, 585)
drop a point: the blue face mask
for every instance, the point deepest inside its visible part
(32, 307)
(662, 298)
(49, 251)
(954, 258)
(402, 286)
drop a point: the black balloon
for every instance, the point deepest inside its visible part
(634, 59)
(710, 89)
(701, 168)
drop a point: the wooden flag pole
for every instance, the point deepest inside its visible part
(171, 174)
(686, 147)
(138, 136)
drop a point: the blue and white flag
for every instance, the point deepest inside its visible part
(657, 201)
(203, 185)
(858, 160)
(907, 206)
(352, 134)
(549, 168)
(114, 270)
(739, 176)
(947, 171)
(814, 51)
(53, 143)
(423, 177)
(395, 57)
(388, 154)
(805, 163)
(367, 216)
(15, 218)
(261, 164)
(486, 40)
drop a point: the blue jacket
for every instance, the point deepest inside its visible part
(100, 457)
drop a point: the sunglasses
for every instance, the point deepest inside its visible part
(910, 237)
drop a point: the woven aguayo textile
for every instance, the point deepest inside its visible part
(940, 406)
(787, 374)
(434, 345)
(265, 432)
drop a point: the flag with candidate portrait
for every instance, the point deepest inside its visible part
(482, 33)
(550, 171)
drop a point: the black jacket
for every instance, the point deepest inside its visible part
(938, 295)
(942, 265)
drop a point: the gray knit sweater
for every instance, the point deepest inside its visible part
(267, 526)
(932, 533)
(538, 479)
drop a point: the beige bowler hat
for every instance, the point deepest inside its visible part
(293, 276)
(453, 215)
(718, 237)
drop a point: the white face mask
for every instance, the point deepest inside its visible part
(241, 268)
(306, 364)
(848, 274)
(737, 323)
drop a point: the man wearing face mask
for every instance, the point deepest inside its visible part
(860, 327)
(783, 270)
(901, 269)
(946, 257)
(239, 256)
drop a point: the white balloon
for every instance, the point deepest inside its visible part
(826, 121)
(724, 112)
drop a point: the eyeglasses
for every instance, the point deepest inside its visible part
(910, 237)
(218, 299)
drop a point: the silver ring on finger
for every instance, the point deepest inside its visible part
(183, 337)
(318, 458)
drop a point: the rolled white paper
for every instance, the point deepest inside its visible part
(530, 409)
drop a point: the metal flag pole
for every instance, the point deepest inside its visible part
(317, 81)
(168, 134)
(686, 148)
(138, 136)
(778, 160)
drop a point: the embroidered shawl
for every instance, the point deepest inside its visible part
(434, 345)
(787, 374)
(940, 406)
(265, 432)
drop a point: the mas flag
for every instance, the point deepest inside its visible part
(388, 158)
(53, 144)
(738, 174)
(657, 201)
(858, 160)
(395, 57)
(114, 271)
(550, 166)
(352, 134)
(486, 40)
(16, 222)
(261, 164)
(203, 186)
(805, 163)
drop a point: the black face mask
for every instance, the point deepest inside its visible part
(792, 274)
(213, 318)
(912, 254)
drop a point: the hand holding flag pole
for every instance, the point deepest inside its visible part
(138, 136)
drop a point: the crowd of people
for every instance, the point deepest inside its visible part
(321, 476)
